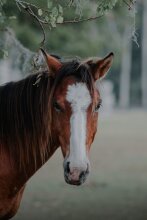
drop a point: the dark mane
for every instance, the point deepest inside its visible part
(25, 111)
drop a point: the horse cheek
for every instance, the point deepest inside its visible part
(91, 129)
(64, 135)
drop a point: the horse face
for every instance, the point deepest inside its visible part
(75, 123)
(75, 114)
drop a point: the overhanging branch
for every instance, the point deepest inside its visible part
(30, 9)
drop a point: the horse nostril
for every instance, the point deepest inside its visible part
(82, 174)
(67, 167)
(87, 170)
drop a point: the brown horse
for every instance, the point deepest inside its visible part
(57, 107)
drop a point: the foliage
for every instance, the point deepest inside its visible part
(76, 27)
(52, 13)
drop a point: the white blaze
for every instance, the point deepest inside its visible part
(79, 97)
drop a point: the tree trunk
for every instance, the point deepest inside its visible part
(124, 95)
(144, 56)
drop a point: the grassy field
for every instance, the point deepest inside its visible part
(116, 188)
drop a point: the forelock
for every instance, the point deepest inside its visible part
(77, 69)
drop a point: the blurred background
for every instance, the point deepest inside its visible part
(117, 186)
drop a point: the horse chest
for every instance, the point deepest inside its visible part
(9, 181)
(10, 195)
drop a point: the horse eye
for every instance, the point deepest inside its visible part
(98, 105)
(57, 107)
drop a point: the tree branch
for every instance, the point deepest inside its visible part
(28, 9)
(129, 4)
(81, 20)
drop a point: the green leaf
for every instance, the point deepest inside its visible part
(12, 17)
(46, 18)
(40, 12)
(60, 9)
(53, 24)
(53, 21)
(55, 11)
(60, 19)
(5, 52)
(105, 5)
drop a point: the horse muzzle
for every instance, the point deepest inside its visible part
(75, 175)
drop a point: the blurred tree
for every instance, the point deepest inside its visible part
(69, 34)
(135, 89)
(144, 56)
(125, 74)
(52, 13)
(125, 95)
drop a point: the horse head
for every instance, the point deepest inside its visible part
(75, 104)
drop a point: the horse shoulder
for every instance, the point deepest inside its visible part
(11, 189)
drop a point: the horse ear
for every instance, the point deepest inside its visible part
(100, 67)
(53, 63)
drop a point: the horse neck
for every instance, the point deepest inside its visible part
(23, 174)
(30, 170)
(23, 146)
(30, 167)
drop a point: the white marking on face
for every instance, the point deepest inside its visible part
(79, 97)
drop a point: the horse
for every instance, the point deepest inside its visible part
(56, 107)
